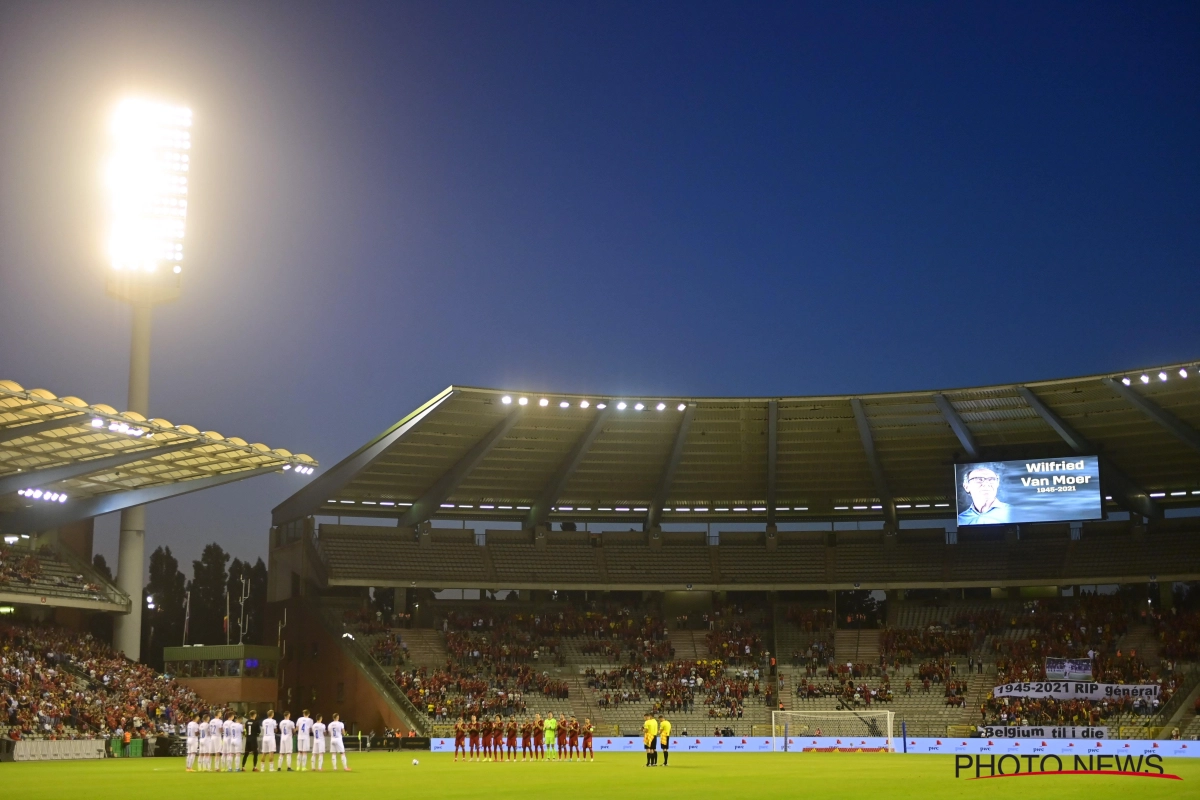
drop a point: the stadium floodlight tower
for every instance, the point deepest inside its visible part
(147, 188)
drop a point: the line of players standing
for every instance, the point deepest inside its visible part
(489, 739)
(215, 745)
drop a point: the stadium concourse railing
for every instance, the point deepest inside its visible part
(375, 673)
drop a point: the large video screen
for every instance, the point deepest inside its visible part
(1042, 490)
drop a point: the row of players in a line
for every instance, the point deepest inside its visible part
(214, 746)
(489, 740)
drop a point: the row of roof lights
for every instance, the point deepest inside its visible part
(300, 470)
(1157, 495)
(1162, 376)
(621, 404)
(38, 494)
(121, 427)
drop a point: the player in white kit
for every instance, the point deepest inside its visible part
(304, 739)
(268, 742)
(214, 742)
(336, 745)
(238, 746)
(286, 729)
(193, 742)
(318, 744)
(227, 746)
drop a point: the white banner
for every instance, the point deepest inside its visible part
(1043, 732)
(1078, 690)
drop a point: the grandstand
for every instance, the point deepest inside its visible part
(664, 513)
(64, 462)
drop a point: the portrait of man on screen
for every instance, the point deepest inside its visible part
(982, 482)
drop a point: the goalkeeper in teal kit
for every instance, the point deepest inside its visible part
(551, 729)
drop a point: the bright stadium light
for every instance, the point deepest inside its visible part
(524, 401)
(1183, 372)
(506, 400)
(147, 183)
(621, 406)
(680, 407)
(601, 406)
(1145, 379)
(639, 407)
(146, 174)
(583, 404)
(564, 404)
(1162, 376)
(543, 402)
(661, 407)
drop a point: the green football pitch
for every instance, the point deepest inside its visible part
(742, 775)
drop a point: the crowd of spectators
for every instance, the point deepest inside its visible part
(18, 566)
(60, 684)
(445, 694)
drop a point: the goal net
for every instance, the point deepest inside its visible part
(866, 731)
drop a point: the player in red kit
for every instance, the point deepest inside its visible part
(539, 733)
(485, 728)
(526, 739)
(588, 730)
(573, 738)
(473, 733)
(512, 739)
(460, 735)
(562, 740)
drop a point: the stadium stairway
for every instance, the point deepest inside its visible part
(689, 645)
(426, 647)
(1142, 639)
(857, 646)
(330, 614)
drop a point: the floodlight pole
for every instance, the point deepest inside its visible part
(142, 292)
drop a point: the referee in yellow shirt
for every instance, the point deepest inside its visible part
(650, 739)
(664, 738)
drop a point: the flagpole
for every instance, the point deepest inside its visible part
(187, 616)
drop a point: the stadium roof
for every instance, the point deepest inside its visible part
(491, 454)
(63, 460)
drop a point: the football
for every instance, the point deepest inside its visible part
(415, 762)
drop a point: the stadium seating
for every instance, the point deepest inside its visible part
(45, 571)
(57, 684)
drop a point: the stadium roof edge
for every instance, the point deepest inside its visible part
(813, 466)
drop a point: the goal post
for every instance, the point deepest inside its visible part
(852, 727)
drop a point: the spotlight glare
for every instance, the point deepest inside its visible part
(584, 403)
(681, 407)
(97, 423)
(524, 401)
(1183, 373)
(638, 407)
(1145, 379)
(661, 407)
(147, 182)
(564, 404)
(1126, 381)
(1162, 376)
(601, 406)
(506, 400)
(621, 406)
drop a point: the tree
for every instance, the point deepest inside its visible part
(207, 586)
(162, 626)
(101, 566)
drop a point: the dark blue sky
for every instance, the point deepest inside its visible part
(707, 199)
